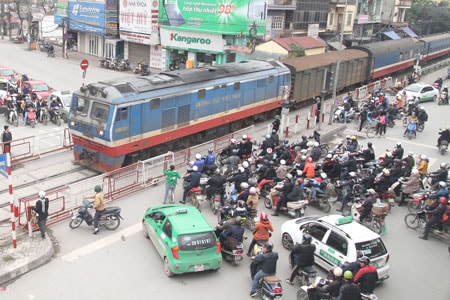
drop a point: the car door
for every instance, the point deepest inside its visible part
(318, 232)
(155, 228)
(336, 249)
(426, 94)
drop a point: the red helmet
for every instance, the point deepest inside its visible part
(249, 138)
(264, 216)
(443, 200)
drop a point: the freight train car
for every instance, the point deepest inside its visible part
(308, 72)
(388, 57)
(118, 122)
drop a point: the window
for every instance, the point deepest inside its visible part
(99, 112)
(155, 103)
(372, 249)
(122, 114)
(271, 77)
(201, 94)
(237, 86)
(317, 231)
(93, 44)
(337, 242)
(196, 241)
(349, 19)
(168, 229)
(277, 22)
(80, 106)
(331, 19)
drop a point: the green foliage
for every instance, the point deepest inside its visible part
(296, 51)
(426, 17)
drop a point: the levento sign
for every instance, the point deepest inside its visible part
(235, 17)
(192, 40)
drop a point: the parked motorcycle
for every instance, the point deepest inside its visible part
(123, 65)
(418, 220)
(339, 114)
(142, 69)
(110, 218)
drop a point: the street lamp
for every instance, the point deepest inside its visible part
(341, 39)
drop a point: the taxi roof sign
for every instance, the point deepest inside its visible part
(344, 220)
(181, 211)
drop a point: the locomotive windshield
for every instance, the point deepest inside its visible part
(96, 110)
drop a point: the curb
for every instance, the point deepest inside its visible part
(329, 135)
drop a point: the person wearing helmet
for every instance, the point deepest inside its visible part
(275, 137)
(349, 165)
(353, 266)
(232, 162)
(349, 290)
(439, 175)
(423, 165)
(282, 192)
(238, 178)
(216, 186)
(263, 264)
(41, 210)
(366, 277)
(267, 143)
(243, 195)
(436, 218)
(210, 161)
(330, 290)
(444, 135)
(199, 162)
(301, 256)
(309, 168)
(369, 153)
(327, 163)
(303, 143)
(383, 182)
(284, 153)
(230, 237)
(398, 151)
(263, 231)
(191, 180)
(315, 152)
(276, 123)
(350, 182)
(352, 144)
(410, 186)
(366, 207)
(422, 115)
(252, 200)
(412, 124)
(245, 147)
(99, 206)
(172, 177)
(319, 184)
(441, 192)
(269, 175)
(410, 161)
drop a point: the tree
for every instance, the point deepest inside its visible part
(427, 17)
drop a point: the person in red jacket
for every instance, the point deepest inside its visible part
(366, 277)
(262, 231)
(308, 170)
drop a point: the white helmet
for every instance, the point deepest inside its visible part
(244, 137)
(423, 156)
(299, 173)
(414, 171)
(411, 153)
(194, 168)
(316, 144)
(244, 185)
(283, 162)
(198, 156)
(444, 165)
(245, 164)
(241, 170)
(442, 184)
(289, 176)
(323, 175)
(352, 174)
(41, 194)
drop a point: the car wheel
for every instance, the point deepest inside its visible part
(287, 241)
(145, 229)
(434, 98)
(167, 269)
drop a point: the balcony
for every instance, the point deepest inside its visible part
(341, 3)
(282, 4)
(403, 3)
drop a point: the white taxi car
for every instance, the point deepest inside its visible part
(337, 241)
(426, 92)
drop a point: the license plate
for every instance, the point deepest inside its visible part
(302, 211)
(199, 268)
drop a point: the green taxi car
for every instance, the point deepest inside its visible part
(64, 98)
(183, 239)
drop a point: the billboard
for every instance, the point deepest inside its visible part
(136, 16)
(233, 17)
(203, 41)
(87, 17)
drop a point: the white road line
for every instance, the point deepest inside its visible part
(69, 257)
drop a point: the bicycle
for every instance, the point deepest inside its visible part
(371, 128)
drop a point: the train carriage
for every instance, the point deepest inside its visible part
(436, 46)
(118, 122)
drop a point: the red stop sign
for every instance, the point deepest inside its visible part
(84, 64)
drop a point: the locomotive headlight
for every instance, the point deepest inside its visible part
(72, 123)
(100, 132)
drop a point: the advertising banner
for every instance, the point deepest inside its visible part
(192, 40)
(87, 17)
(233, 17)
(136, 16)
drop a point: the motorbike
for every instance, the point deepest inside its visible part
(420, 199)
(411, 130)
(306, 275)
(104, 62)
(417, 220)
(234, 256)
(110, 218)
(339, 114)
(31, 117)
(215, 203)
(123, 65)
(294, 209)
(11, 116)
(142, 69)
(321, 202)
(56, 116)
(269, 287)
(194, 194)
(443, 98)
(43, 115)
(375, 220)
(302, 293)
(443, 146)
(51, 53)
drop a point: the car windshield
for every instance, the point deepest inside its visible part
(99, 111)
(6, 72)
(413, 88)
(66, 100)
(372, 249)
(196, 241)
(40, 87)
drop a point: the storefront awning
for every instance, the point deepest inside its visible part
(409, 32)
(392, 35)
(335, 45)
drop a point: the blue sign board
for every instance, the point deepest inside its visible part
(3, 165)
(87, 17)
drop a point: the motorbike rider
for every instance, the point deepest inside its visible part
(366, 206)
(369, 153)
(246, 146)
(315, 152)
(367, 276)
(28, 106)
(283, 191)
(436, 217)
(228, 151)
(252, 200)
(266, 263)
(99, 206)
(442, 192)
(40, 105)
(353, 146)
(282, 170)
(330, 290)
(423, 165)
(412, 124)
(263, 231)
(267, 143)
(438, 82)
(349, 183)
(191, 180)
(318, 185)
(353, 266)
(335, 171)
(410, 162)
(210, 161)
(410, 186)
(439, 175)
(309, 169)
(303, 143)
(444, 135)
(50, 50)
(238, 178)
(349, 166)
(233, 235)
(216, 185)
(226, 222)
(349, 290)
(199, 162)
(275, 137)
(302, 255)
(383, 182)
(398, 151)
(276, 123)
(232, 162)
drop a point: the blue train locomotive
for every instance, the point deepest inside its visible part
(118, 122)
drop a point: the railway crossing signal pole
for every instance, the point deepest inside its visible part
(341, 39)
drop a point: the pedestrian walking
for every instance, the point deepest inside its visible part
(99, 206)
(172, 177)
(6, 139)
(41, 209)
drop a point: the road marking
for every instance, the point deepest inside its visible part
(80, 252)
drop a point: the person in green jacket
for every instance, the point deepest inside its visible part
(172, 177)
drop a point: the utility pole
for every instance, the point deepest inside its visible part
(3, 17)
(341, 39)
(29, 19)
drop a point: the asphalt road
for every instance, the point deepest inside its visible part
(123, 264)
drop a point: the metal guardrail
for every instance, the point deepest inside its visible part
(436, 66)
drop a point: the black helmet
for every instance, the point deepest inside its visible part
(307, 238)
(210, 150)
(359, 254)
(268, 246)
(369, 144)
(304, 137)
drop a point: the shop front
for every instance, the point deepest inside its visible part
(185, 49)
